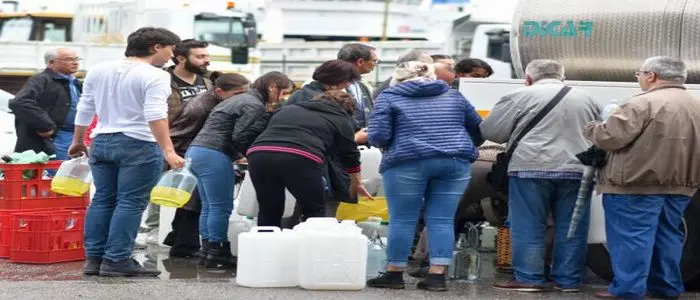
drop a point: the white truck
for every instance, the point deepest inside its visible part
(98, 31)
(601, 44)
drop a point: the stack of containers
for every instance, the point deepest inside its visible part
(38, 225)
(319, 254)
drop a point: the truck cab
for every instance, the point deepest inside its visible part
(40, 26)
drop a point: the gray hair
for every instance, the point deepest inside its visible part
(50, 55)
(413, 70)
(414, 55)
(545, 69)
(666, 68)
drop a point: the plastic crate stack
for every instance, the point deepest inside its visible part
(37, 225)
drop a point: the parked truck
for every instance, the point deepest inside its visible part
(601, 44)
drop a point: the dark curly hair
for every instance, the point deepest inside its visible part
(345, 100)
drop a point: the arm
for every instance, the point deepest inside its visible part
(155, 111)
(84, 116)
(499, 124)
(251, 123)
(380, 131)
(348, 154)
(26, 108)
(471, 122)
(622, 127)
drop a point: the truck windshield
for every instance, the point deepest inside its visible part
(16, 30)
(225, 32)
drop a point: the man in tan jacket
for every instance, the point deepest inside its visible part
(653, 170)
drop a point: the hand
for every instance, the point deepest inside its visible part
(46, 134)
(242, 161)
(360, 190)
(76, 150)
(361, 137)
(174, 160)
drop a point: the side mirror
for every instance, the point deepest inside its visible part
(239, 54)
(505, 52)
(251, 37)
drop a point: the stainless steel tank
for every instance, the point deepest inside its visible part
(604, 40)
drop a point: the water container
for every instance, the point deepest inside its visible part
(609, 109)
(317, 224)
(376, 250)
(175, 187)
(268, 257)
(248, 201)
(73, 177)
(466, 260)
(235, 228)
(332, 259)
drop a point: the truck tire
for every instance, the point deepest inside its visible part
(598, 258)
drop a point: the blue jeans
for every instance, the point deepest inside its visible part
(62, 142)
(124, 170)
(215, 181)
(530, 202)
(439, 182)
(645, 241)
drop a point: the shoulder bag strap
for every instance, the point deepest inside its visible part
(538, 118)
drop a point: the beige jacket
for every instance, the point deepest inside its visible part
(653, 142)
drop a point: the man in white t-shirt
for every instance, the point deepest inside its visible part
(129, 143)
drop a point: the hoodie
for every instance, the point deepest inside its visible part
(314, 130)
(423, 119)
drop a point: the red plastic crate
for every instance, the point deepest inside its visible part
(35, 192)
(47, 237)
(6, 228)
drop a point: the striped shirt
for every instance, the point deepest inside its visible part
(416, 120)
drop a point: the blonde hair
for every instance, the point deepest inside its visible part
(413, 70)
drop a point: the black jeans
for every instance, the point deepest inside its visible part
(272, 172)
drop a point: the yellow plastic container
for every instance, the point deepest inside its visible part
(174, 188)
(73, 177)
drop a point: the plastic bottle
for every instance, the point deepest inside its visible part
(609, 109)
(73, 177)
(376, 251)
(175, 187)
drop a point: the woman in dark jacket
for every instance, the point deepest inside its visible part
(333, 75)
(184, 239)
(231, 127)
(291, 154)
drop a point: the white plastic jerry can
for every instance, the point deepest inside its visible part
(248, 200)
(333, 259)
(267, 257)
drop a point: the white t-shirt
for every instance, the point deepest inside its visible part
(125, 95)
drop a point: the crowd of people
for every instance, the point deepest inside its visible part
(148, 119)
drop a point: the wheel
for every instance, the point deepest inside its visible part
(598, 258)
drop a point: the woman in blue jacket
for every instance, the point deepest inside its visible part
(429, 134)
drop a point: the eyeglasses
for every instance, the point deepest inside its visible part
(640, 73)
(70, 59)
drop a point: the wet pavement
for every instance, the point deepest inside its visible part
(183, 279)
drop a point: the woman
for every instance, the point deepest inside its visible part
(231, 127)
(292, 151)
(426, 130)
(333, 75)
(184, 239)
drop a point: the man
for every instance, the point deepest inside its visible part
(128, 146)
(45, 107)
(365, 59)
(413, 55)
(191, 59)
(444, 68)
(649, 178)
(543, 178)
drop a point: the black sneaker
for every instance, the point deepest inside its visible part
(388, 280)
(433, 283)
(92, 266)
(219, 256)
(125, 268)
(203, 252)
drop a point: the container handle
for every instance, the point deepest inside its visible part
(265, 228)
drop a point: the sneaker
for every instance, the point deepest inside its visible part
(388, 280)
(604, 294)
(518, 286)
(125, 268)
(92, 266)
(566, 290)
(433, 283)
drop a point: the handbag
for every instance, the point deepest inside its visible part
(498, 176)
